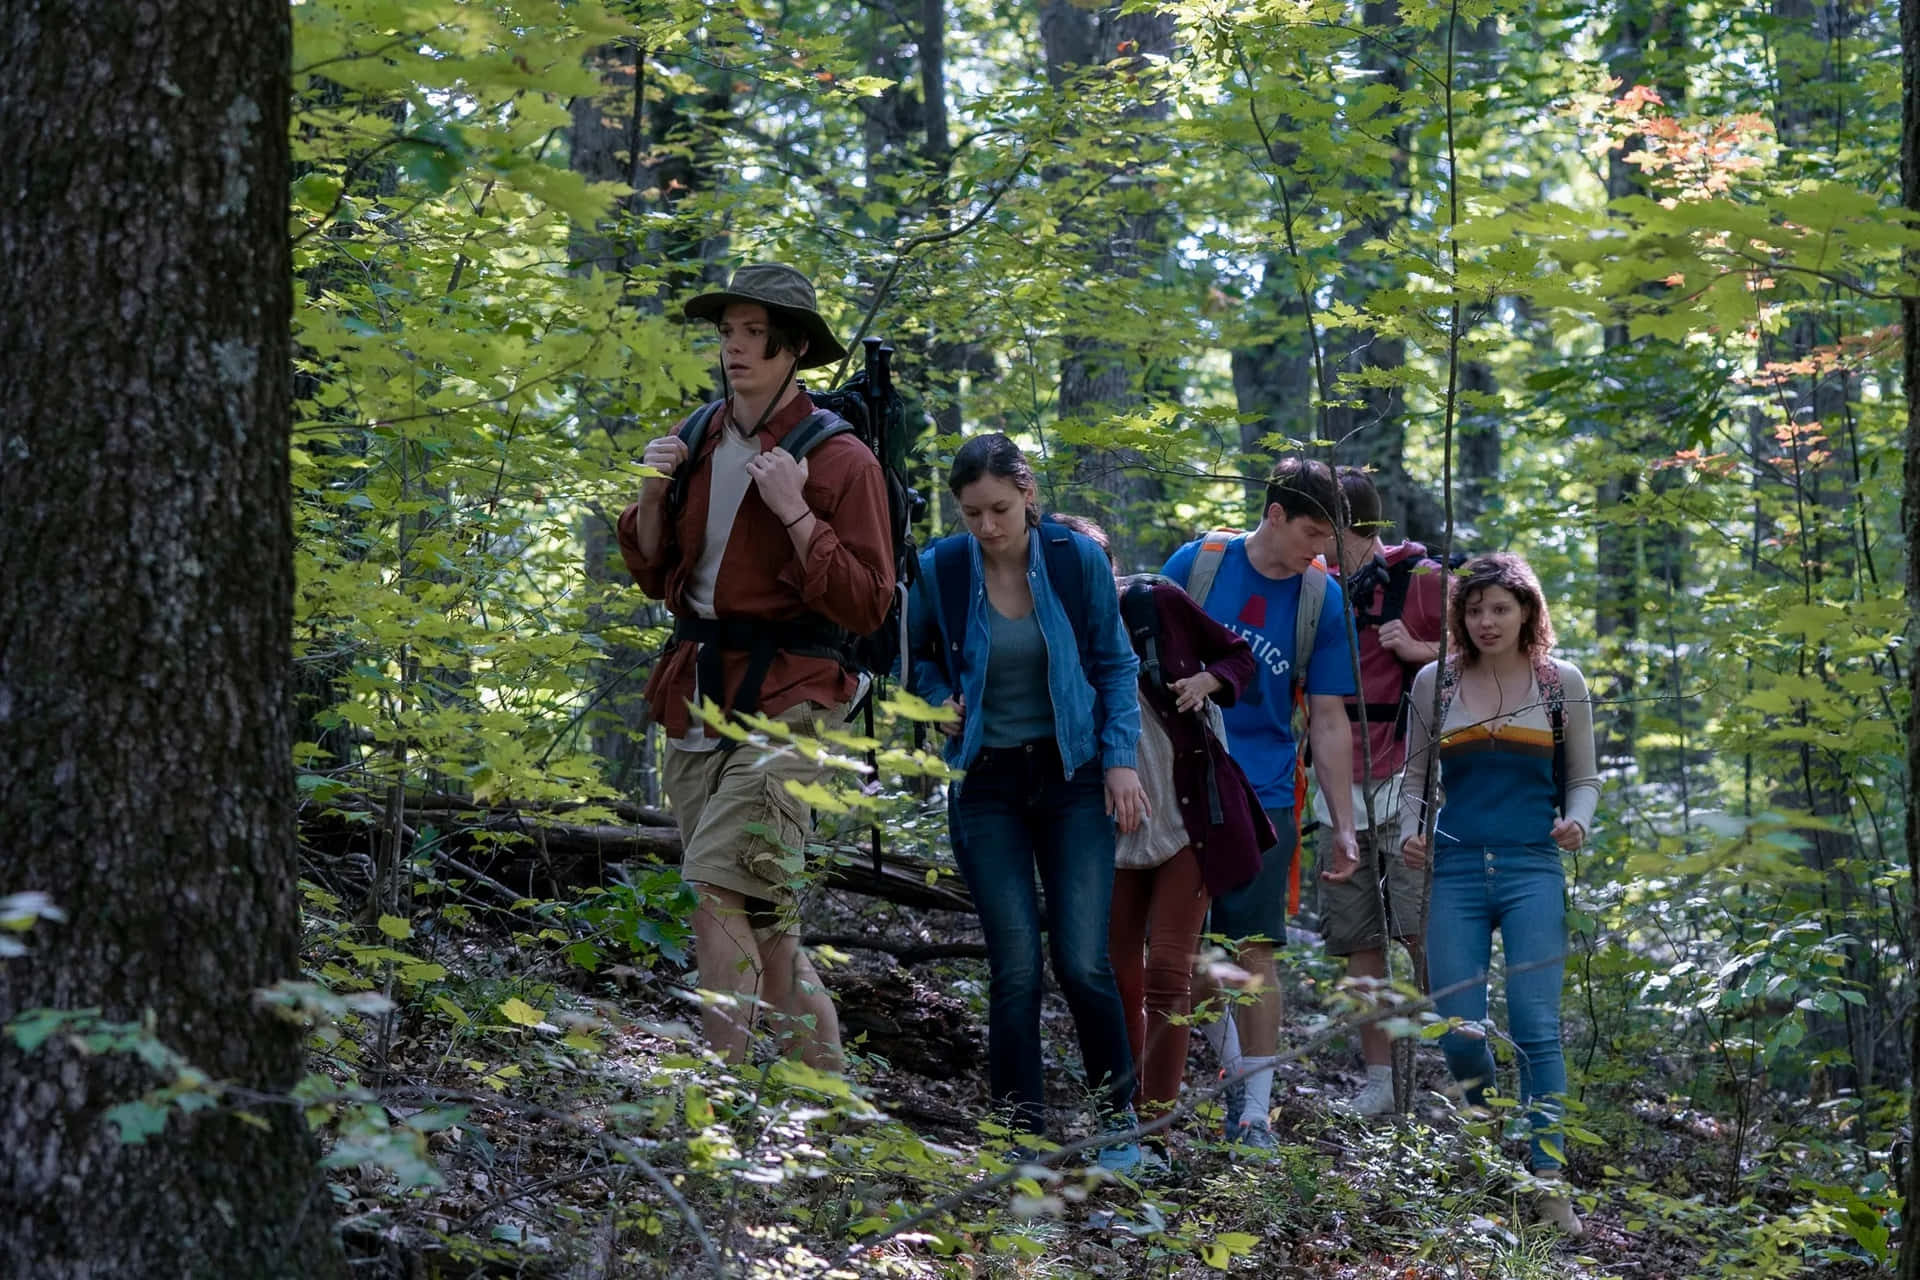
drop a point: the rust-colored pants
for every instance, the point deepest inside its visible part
(1154, 933)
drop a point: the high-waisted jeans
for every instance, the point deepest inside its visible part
(1016, 814)
(1522, 893)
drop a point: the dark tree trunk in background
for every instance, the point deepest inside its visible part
(948, 355)
(1810, 118)
(1476, 464)
(1638, 27)
(1273, 379)
(145, 615)
(1368, 421)
(1910, 520)
(1476, 435)
(608, 143)
(1099, 377)
(655, 141)
(895, 132)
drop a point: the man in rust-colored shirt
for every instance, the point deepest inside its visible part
(770, 566)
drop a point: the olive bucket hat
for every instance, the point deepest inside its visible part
(779, 288)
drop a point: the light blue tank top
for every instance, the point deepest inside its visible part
(1015, 706)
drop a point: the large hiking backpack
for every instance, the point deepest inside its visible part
(872, 409)
(1306, 629)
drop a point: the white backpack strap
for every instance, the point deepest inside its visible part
(1306, 623)
(1206, 565)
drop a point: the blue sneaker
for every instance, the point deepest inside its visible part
(1254, 1135)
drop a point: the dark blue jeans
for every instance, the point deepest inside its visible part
(1520, 892)
(1014, 814)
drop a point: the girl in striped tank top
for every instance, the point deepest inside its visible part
(1515, 785)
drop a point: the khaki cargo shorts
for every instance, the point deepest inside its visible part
(740, 828)
(1352, 919)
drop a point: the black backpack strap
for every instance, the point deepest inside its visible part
(952, 583)
(1141, 616)
(1393, 605)
(1399, 578)
(759, 639)
(812, 431)
(1068, 576)
(693, 432)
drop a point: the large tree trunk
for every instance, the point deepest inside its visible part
(1638, 25)
(1368, 423)
(1910, 519)
(1809, 120)
(948, 355)
(1098, 377)
(1273, 378)
(656, 141)
(145, 616)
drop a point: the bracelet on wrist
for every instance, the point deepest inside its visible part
(797, 519)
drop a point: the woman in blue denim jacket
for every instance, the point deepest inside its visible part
(1047, 740)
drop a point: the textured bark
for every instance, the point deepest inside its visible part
(1476, 444)
(948, 356)
(1274, 379)
(1909, 1265)
(1480, 58)
(621, 136)
(1624, 553)
(1368, 423)
(1097, 376)
(1810, 118)
(145, 616)
(895, 128)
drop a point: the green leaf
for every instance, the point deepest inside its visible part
(395, 927)
(519, 1011)
(137, 1121)
(33, 1028)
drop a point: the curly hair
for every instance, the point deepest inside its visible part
(1506, 570)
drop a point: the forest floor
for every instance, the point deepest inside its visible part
(590, 1137)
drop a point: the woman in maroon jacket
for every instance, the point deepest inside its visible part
(1205, 830)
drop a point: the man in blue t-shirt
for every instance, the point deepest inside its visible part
(1256, 594)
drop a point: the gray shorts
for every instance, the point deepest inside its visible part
(1259, 909)
(1356, 918)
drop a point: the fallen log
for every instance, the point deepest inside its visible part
(531, 850)
(907, 953)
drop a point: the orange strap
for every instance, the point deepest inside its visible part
(1299, 807)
